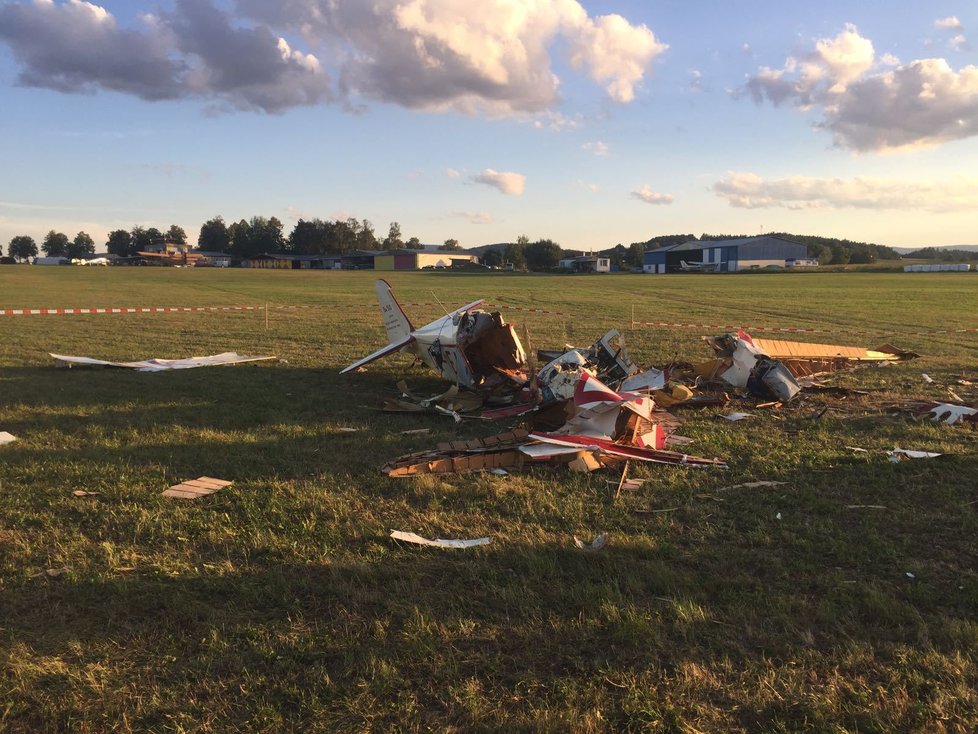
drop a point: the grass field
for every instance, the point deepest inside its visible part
(280, 604)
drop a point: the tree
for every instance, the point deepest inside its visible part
(176, 235)
(55, 244)
(393, 240)
(140, 239)
(492, 258)
(266, 235)
(83, 244)
(514, 253)
(118, 243)
(636, 255)
(214, 235)
(366, 240)
(840, 255)
(451, 244)
(414, 243)
(542, 255)
(22, 247)
(240, 234)
(309, 238)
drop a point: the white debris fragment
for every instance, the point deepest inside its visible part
(597, 544)
(898, 455)
(910, 575)
(751, 485)
(778, 516)
(438, 542)
(737, 416)
(927, 378)
(951, 414)
(158, 365)
(6, 438)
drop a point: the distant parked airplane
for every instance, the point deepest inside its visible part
(697, 267)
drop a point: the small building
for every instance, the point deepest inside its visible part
(937, 268)
(210, 259)
(422, 259)
(51, 261)
(724, 256)
(586, 264)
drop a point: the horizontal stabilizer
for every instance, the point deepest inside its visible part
(382, 352)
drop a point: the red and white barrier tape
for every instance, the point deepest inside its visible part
(154, 309)
(655, 324)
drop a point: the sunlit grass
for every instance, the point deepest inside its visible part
(281, 604)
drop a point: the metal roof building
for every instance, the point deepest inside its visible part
(724, 256)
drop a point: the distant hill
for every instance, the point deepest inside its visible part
(483, 249)
(962, 248)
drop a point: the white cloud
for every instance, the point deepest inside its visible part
(695, 80)
(196, 50)
(493, 57)
(750, 191)
(649, 196)
(452, 172)
(490, 57)
(919, 104)
(512, 184)
(598, 147)
(949, 23)
(614, 52)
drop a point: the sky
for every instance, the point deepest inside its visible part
(588, 122)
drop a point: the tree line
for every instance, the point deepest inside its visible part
(258, 235)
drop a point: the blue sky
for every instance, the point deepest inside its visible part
(590, 123)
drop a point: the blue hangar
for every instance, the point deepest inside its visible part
(726, 256)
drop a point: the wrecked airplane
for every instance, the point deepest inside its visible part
(469, 347)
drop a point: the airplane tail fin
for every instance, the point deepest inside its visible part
(396, 322)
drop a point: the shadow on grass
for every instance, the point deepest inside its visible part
(476, 638)
(506, 636)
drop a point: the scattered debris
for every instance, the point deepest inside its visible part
(595, 545)
(347, 429)
(910, 575)
(438, 542)
(737, 416)
(55, 572)
(159, 365)
(951, 414)
(778, 516)
(631, 485)
(195, 488)
(927, 378)
(83, 493)
(857, 450)
(655, 512)
(415, 431)
(499, 472)
(898, 455)
(6, 438)
(745, 362)
(751, 485)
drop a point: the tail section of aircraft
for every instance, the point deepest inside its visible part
(396, 323)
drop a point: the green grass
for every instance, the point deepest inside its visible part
(279, 604)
